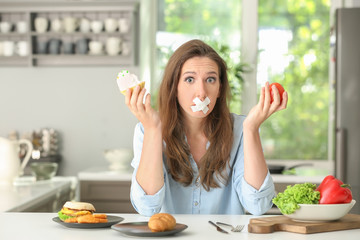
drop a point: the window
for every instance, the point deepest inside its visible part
(293, 49)
(216, 22)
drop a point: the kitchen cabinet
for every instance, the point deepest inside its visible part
(107, 196)
(108, 190)
(49, 41)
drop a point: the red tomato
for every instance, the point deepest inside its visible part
(279, 88)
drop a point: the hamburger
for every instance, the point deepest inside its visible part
(73, 209)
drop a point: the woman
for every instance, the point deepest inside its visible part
(194, 156)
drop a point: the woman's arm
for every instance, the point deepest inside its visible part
(255, 168)
(150, 175)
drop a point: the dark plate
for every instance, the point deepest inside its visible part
(111, 221)
(140, 229)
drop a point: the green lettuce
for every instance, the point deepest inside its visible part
(288, 201)
(63, 217)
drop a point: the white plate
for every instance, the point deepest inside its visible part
(321, 212)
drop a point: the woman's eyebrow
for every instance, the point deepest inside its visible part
(188, 72)
(213, 72)
(209, 73)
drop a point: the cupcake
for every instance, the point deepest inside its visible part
(126, 80)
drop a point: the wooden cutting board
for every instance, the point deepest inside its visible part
(283, 223)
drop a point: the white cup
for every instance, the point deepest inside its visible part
(22, 27)
(97, 26)
(124, 25)
(70, 24)
(5, 27)
(9, 48)
(22, 48)
(1, 48)
(111, 25)
(85, 25)
(56, 25)
(96, 47)
(113, 46)
(41, 24)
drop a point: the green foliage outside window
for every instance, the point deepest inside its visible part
(301, 131)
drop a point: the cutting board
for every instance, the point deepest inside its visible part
(283, 223)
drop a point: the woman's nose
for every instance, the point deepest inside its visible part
(200, 90)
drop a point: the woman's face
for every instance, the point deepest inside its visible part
(199, 78)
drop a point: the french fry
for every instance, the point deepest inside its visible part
(103, 216)
(71, 220)
(91, 219)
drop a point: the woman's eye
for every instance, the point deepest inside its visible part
(210, 80)
(189, 80)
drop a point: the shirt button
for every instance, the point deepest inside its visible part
(196, 203)
(197, 182)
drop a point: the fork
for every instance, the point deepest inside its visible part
(237, 228)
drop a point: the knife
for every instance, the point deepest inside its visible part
(217, 227)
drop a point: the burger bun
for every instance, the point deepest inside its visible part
(80, 206)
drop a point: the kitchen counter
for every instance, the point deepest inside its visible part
(108, 190)
(281, 178)
(40, 226)
(29, 196)
(103, 173)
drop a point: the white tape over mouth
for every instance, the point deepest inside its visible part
(201, 105)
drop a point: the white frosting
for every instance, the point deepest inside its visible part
(126, 80)
(201, 105)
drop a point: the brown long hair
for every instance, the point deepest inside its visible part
(218, 126)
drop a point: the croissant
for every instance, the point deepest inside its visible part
(161, 222)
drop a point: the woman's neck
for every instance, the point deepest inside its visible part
(196, 138)
(194, 126)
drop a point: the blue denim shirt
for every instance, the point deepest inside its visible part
(232, 198)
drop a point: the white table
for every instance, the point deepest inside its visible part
(40, 226)
(27, 195)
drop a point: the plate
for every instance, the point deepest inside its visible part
(141, 229)
(111, 221)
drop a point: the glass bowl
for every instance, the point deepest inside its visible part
(43, 170)
(321, 212)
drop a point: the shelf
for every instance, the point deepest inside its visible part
(13, 34)
(93, 11)
(79, 60)
(14, 61)
(79, 34)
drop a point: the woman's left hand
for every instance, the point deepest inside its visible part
(264, 109)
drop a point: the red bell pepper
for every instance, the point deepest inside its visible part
(333, 191)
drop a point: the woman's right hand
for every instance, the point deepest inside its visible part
(143, 112)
